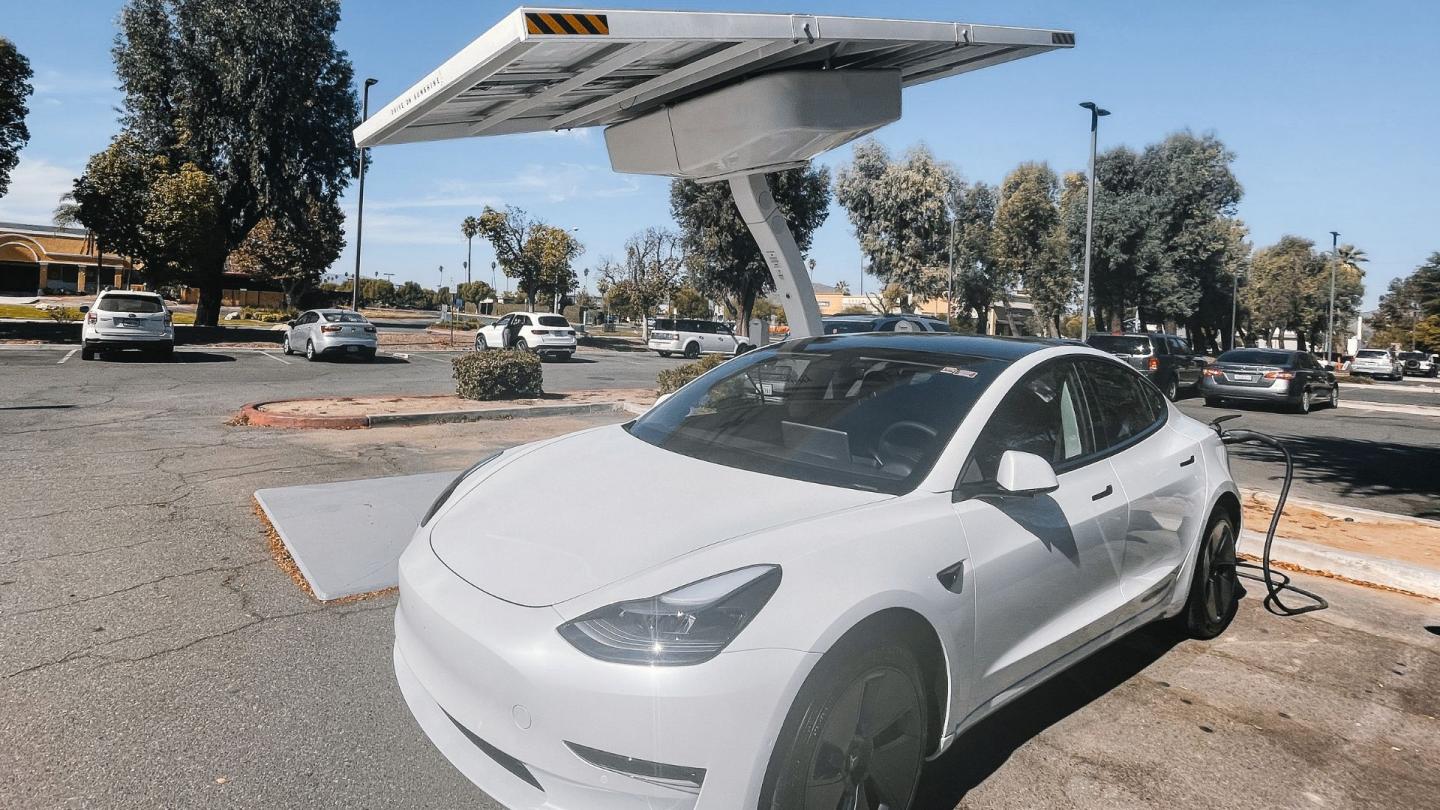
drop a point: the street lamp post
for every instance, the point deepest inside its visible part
(1095, 113)
(360, 202)
(950, 294)
(1330, 318)
(1234, 296)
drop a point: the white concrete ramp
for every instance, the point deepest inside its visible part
(346, 537)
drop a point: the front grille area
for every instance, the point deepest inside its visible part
(505, 761)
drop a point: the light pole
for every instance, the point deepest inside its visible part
(950, 294)
(1330, 318)
(1095, 113)
(360, 203)
(1234, 297)
(494, 291)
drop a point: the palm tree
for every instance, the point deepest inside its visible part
(1346, 256)
(470, 228)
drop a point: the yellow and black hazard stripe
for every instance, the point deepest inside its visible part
(559, 22)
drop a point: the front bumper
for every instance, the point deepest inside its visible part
(1276, 391)
(468, 662)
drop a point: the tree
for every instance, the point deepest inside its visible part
(978, 279)
(901, 215)
(1409, 311)
(294, 256)
(1029, 243)
(113, 195)
(688, 302)
(469, 228)
(842, 287)
(1288, 289)
(536, 255)
(650, 272)
(376, 291)
(474, 292)
(15, 88)
(1123, 245)
(722, 258)
(254, 96)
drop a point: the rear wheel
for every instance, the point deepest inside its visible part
(87, 353)
(664, 354)
(166, 352)
(856, 736)
(1171, 389)
(1214, 588)
(521, 345)
(480, 344)
(310, 353)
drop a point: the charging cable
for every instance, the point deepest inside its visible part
(1276, 582)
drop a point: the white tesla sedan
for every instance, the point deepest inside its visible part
(788, 584)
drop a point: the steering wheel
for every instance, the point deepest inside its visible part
(901, 454)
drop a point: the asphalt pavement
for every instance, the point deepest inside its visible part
(153, 655)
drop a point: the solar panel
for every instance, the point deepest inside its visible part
(555, 69)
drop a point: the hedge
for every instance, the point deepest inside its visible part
(497, 374)
(671, 379)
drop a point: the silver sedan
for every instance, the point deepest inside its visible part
(330, 332)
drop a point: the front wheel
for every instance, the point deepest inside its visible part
(1214, 588)
(1334, 396)
(1303, 406)
(856, 736)
(692, 351)
(285, 347)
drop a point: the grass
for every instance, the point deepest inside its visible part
(26, 311)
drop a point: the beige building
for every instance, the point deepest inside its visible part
(832, 302)
(40, 259)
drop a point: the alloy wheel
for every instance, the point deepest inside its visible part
(1218, 572)
(870, 746)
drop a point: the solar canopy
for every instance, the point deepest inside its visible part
(555, 69)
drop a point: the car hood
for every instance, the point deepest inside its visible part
(579, 513)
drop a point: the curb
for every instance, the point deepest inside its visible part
(1350, 566)
(252, 415)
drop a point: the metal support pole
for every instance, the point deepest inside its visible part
(950, 295)
(360, 202)
(787, 266)
(1234, 295)
(1095, 113)
(1330, 318)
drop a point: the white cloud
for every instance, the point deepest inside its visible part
(35, 188)
(551, 183)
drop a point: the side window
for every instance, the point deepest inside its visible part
(1123, 406)
(1161, 347)
(1178, 346)
(310, 317)
(522, 320)
(1043, 414)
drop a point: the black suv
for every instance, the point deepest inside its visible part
(1167, 360)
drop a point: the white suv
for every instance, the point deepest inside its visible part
(545, 333)
(693, 338)
(125, 319)
(1377, 363)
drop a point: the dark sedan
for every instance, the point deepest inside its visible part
(1290, 378)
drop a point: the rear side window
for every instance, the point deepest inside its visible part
(1123, 406)
(344, 317)
(142, 304)
(553, 320)
(1121, 344)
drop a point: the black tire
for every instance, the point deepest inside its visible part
(1212, 402)
(310, 353)
(480, 344)
(692, 350)
(743, 348)
(368, 356)
(285, 346)
(166, 352)
(521, 345)
(809, 769)
(1214, 588)
(87, 353)
(1171, 389)
(1334, 401)
(1304, 404)
(664, 354)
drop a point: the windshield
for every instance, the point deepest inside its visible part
(863, 417)
(344, 317)
(1120, 344)
(146, 304)
(1255, 357)
(847, 327)
(553, 320)
(1372, 353)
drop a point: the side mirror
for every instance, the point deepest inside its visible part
(84, 308)
(290, 324)
(1025, 474)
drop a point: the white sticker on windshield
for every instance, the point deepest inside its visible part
(960, 372)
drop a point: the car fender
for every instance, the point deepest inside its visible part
(1218, 484)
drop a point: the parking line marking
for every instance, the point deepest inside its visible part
(428, 357)
(67, 356)
(273, 357)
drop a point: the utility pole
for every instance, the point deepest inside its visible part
(1095, 113)
(1330, 318)
(1234, 296)
(950, 294)
(360, 203)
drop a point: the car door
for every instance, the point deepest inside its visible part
(1187, 365)
(1161, 472)
(495, 333)
(1046, 567)
(301, 333)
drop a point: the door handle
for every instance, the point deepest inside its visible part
(1104, 493)
(1187, 462)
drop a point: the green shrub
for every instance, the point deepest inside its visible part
(502, 374)
(671, 379)
(63, 314)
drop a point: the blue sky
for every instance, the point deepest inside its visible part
(1333, 109)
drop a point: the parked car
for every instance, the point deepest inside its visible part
(693, 337)
(849, 324)
(545, 333)
(1278, 376)
(1377, 363)
(321, 333)
(932, 526)
(1417, 364)
(1167, 360)
(126, 319)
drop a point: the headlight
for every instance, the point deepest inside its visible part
(450, 488)
(688, 625)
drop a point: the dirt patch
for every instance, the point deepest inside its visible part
(1398, 539)
(373, 405)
